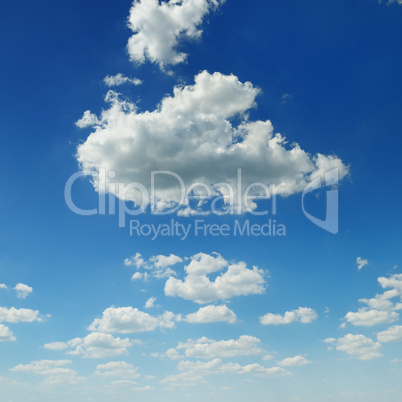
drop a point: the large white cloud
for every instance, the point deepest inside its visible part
(304, 315)
(191, 135)
(159, 26)
(237, 280)
(357, 345)
(129, 320)
(205, 348)
(212, 314)
(15, 315)
(6, 334)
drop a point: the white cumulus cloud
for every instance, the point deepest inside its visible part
(136, 261)
(22, 290)
(304, 315)
(237, 280)
(158, 266)
(391, 334)
(160, 26)
(97, 345)
(15, 315)
(361, 262)
(56, 346)
(212, 314)
(190, 134)
(357, 345)
(54, 370)
(295, 361)
(6, 335)
(119, 369)
(380, 309)
(150, 303)
(128, 320)
(193, 373)
(163, 261)
(368, 318)
(205, 348)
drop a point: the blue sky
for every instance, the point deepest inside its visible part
(90, 310)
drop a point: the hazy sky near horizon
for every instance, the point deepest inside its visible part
(105, 304)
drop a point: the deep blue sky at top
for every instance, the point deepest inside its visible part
(339, 60)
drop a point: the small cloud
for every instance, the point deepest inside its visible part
(361, 263)
(3, 286)
(56, 346)
(357, 345)
(23, 290)
(302, 314)
(393, 1)
(54, 371)
(120, 79)
(142, 389)
(268, 357)
(120, 369)
(87, 120)
(212, 313)
(6, 334)
(286, 98)
(205, 348)
(140, 275)
(136, 261)
(296, 361)
(150, 302)
(128, 320)
(15, 315)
